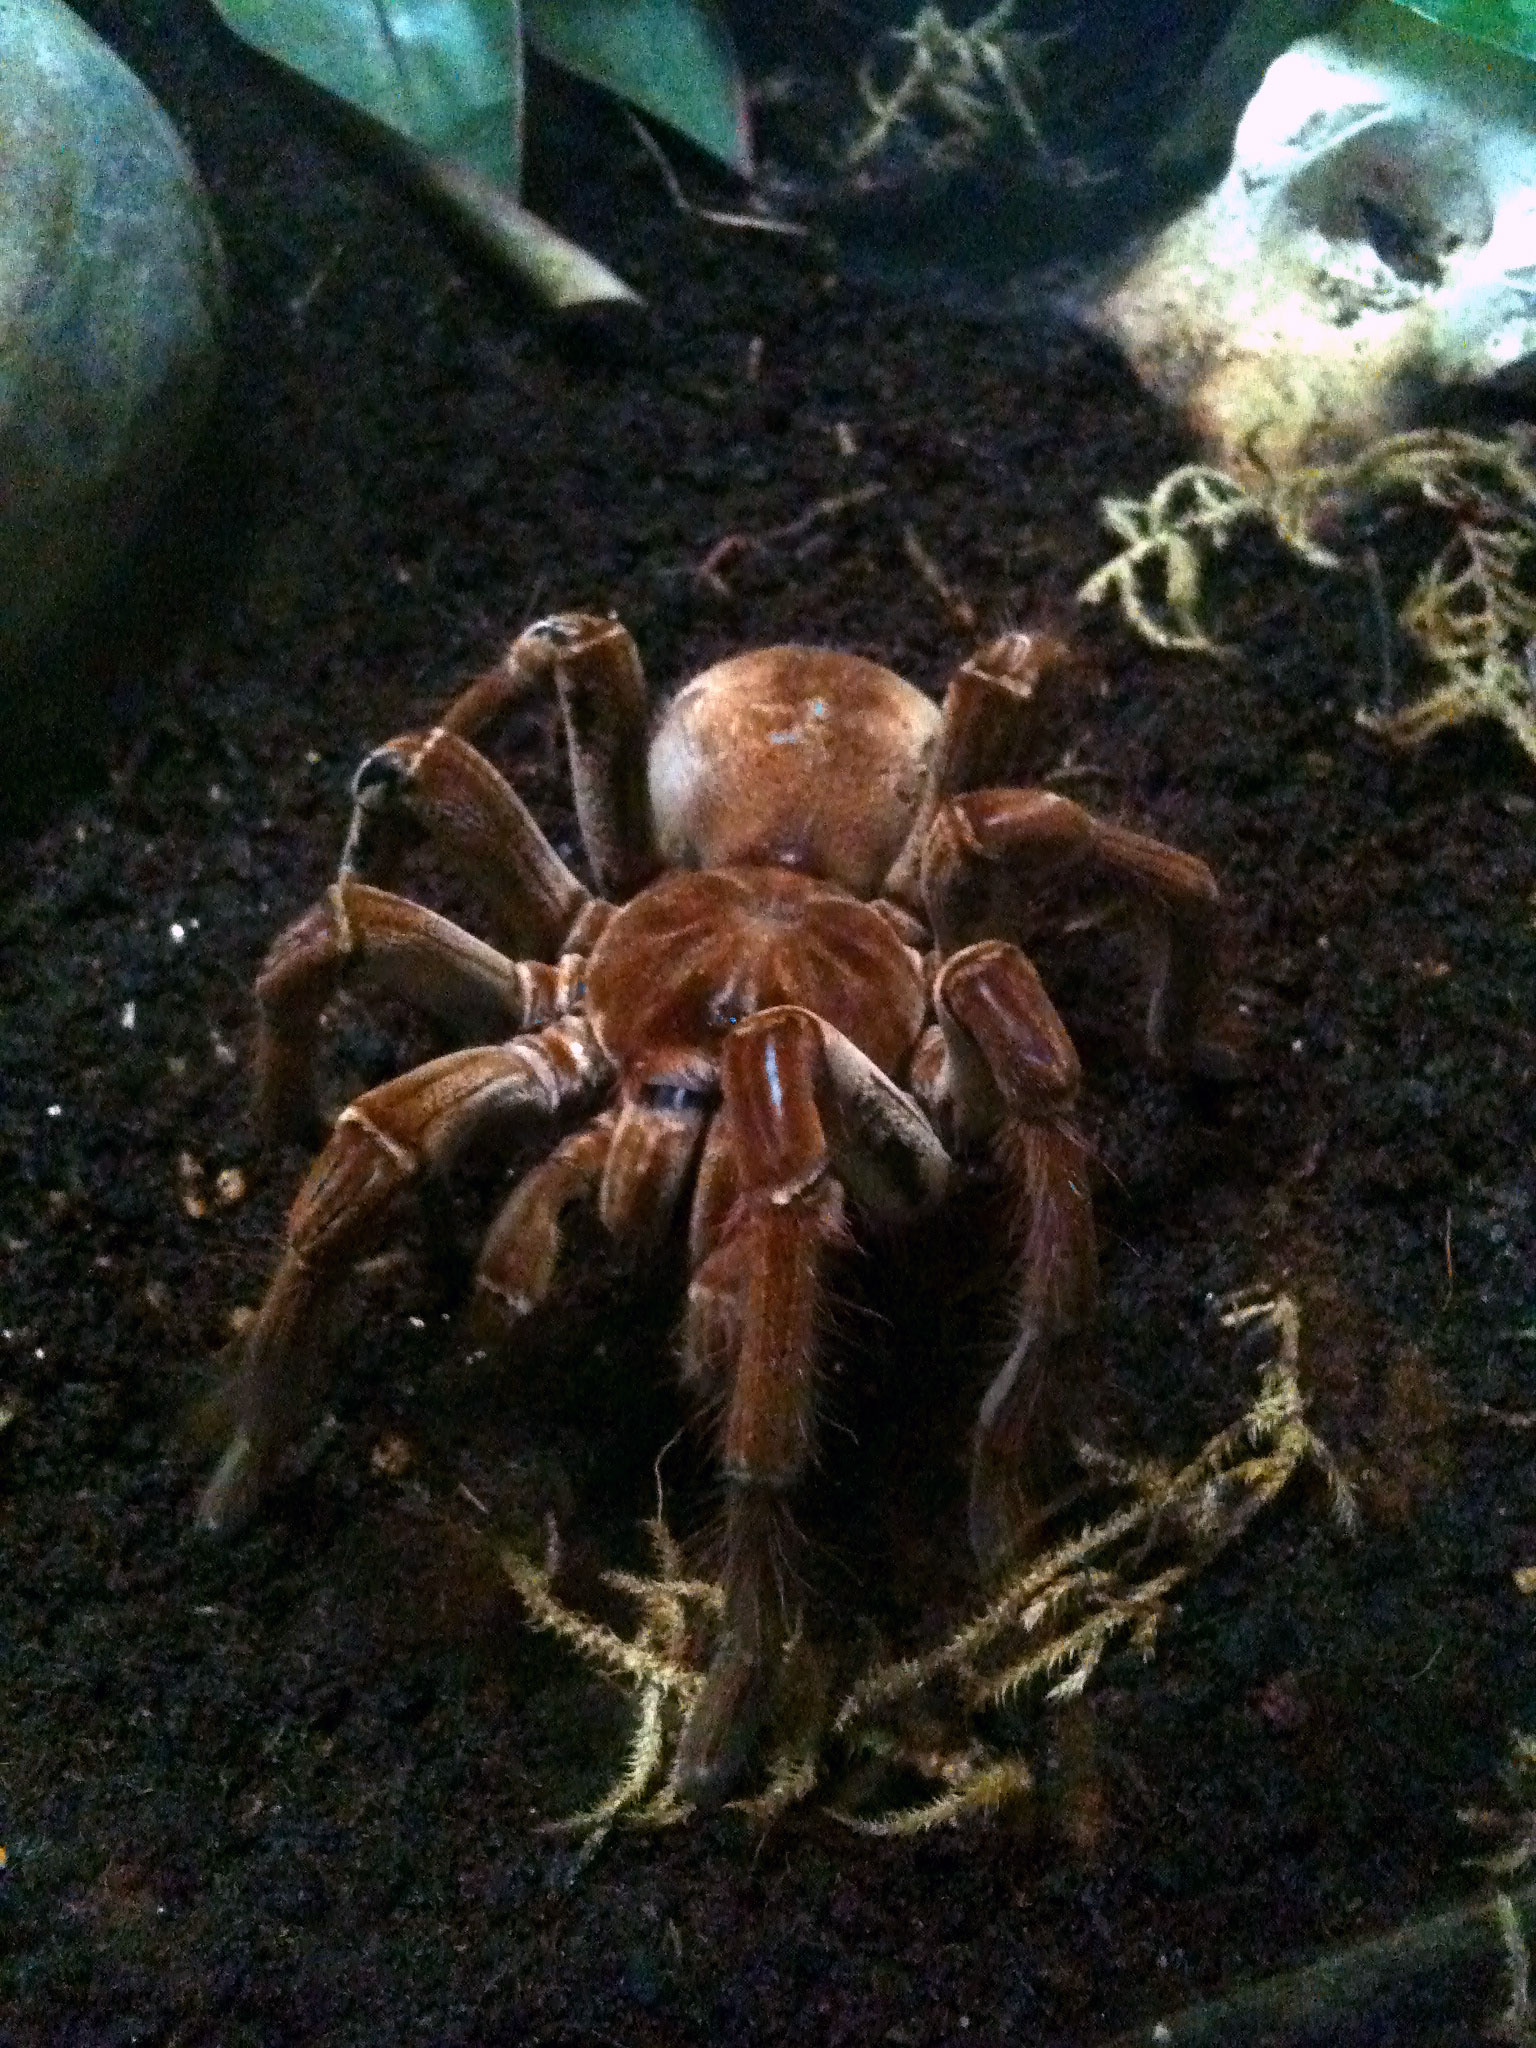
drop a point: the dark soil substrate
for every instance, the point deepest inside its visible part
(288, 1789)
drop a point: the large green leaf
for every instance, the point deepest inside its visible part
(670, 58)
(445, 74)
(1507, 24)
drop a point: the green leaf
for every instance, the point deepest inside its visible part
(445, 74)
(1506, 24)
(670, 58)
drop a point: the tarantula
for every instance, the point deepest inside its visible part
(801, 991)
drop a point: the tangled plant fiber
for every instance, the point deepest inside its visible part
(1470, 611)
(1045, 1630)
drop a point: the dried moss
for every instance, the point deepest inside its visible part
(1470, 610)
(1045, 1630)
(958, 91)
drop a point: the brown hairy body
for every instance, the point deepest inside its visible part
(798, 1006)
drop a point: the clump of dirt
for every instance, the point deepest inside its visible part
(290, 1788)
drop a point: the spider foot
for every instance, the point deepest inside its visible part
(248, 1471)
(1027, 1456)
(1009, 1507)
(720, 1737)
(230, 1499)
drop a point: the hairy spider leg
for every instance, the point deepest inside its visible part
(989, 716)
(1010, 1077)
(808, 1115)
(360, 935)
(668, 1102)
(601, 689)
(520, 1258)
(438, 784)
(634, 1161)
(993, 857)
(717, 1292)
(388, 1140)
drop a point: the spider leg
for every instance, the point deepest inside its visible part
(989, 709)
(634, 1159)
(1009, 1076)
(387, 1140)
(521, 1254)
(667, 1106)
(717, 1293)
(359, 934)
(437, 783)
(882, 1150)
(992, 858)
(788, 1215)
(601, 688)
(807, 1114)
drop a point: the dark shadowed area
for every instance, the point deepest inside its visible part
(288, 1789)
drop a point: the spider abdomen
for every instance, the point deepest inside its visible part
(798, 756)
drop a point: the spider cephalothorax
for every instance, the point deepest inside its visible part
(798, 1003)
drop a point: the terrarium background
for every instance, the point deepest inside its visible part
(288, 1788)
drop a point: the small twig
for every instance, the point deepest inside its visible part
(733, 545)
(1070, 769)
(957, 609)
(824, 508)
(301, 302)
(725, 550)
(1484, 1411)
(1079, 771)
(1515, 2021)
(1424, 1669)
(1384, 628)
(764, 223)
